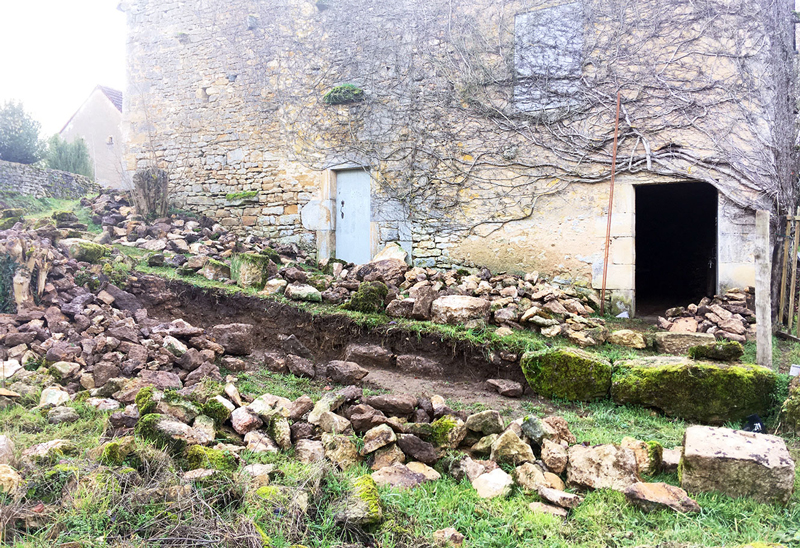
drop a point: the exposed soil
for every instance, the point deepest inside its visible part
(464, 367)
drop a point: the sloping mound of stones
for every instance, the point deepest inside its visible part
(387, 283)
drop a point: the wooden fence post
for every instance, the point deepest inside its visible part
(763, 261)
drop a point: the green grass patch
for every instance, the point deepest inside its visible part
(262, 381)
(43, 208)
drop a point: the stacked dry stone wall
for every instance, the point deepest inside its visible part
(43, 183)
(452, 111)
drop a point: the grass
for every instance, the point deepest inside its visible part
(42, 208)
(256, 383)
(101, 516)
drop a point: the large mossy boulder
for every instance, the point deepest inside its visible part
(84, 250)
(567, 373)
(712, 393)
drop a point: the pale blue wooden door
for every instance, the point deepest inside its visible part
(353, 216)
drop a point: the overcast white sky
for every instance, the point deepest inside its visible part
(54, 52)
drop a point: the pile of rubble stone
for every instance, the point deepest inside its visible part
(455, 296)
(408, 441)
(730, 316)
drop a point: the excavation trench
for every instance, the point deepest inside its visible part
(326, 336)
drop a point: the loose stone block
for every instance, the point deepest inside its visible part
(706, 392)
(736, 463)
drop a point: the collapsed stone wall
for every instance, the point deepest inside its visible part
(230, 98)
(43, 183)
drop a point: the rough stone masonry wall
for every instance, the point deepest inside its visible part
(43, 183)
(228, 96)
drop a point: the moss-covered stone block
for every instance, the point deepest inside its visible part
(363, 506)
(162, 431)
(215, 270)
(320, 282)
(252, 269)
(369, 298)
(117, 452)
(11, 212)
(724, 351)
(217, 411)
(145, 401)
(445, 432)
(216, 459)
(8, 222)
(712, 393)
(84, 250)
(248, 195)
(567, 373)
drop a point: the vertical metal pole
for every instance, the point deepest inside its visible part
(610, 210)
(763, 291)
(781, 309)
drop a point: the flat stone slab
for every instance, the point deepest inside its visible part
(601, 467)
(706, 392)
(737, 464)
(680, 342)
(656, 496)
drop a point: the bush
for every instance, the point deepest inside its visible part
(343, 94)
(19, 135)
(72, 157)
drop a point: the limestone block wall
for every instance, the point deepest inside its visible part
(43, 183)
(228, 97)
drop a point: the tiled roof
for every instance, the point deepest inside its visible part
(113, 95)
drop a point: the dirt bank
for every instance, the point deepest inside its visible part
(326, 336)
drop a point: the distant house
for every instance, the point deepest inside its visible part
(97, 121)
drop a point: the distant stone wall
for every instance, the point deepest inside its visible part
(43, 183)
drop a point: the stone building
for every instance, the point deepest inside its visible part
(98, 122)
(477, 132)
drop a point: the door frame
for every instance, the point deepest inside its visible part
(717, 236)
(329, 194)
